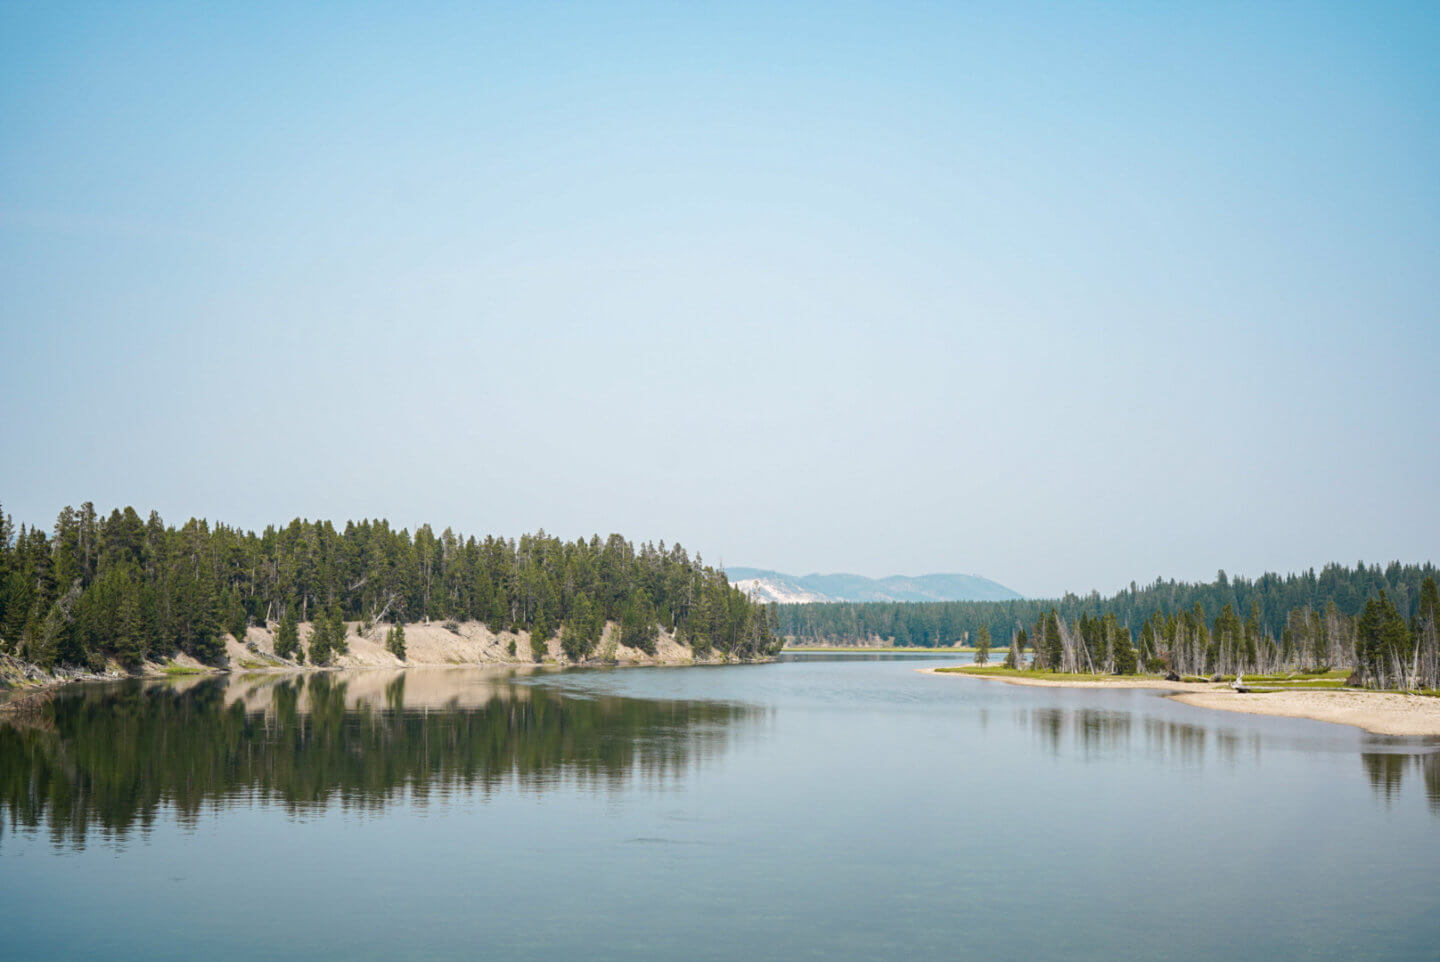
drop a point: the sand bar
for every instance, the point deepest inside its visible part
(1105, 681)
(1381, 712)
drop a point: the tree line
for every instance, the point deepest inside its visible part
(943, 623)
(1379, 622)
(1379, 645)
(119, 587)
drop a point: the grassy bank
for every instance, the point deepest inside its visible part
(1000, 671)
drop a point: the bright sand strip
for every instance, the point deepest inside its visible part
(468, 643)
(1381, 712)
(1108, 681)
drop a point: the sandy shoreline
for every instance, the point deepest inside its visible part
(1380, 712)
(437, 645)
(428, 645)
(1106, 682)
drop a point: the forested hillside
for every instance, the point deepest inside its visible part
(131, 589)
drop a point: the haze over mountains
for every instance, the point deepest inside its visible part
(786, 589)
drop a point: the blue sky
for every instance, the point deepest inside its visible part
(1065, 295)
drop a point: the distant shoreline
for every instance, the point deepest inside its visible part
(1378, 712)
(842, 649)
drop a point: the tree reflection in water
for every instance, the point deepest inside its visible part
(115, 756)
(1091, 733)
(1387, 771)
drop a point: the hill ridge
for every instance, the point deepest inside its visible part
(769, 585)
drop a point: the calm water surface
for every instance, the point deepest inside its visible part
(826, 807)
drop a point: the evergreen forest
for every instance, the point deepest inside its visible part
(1381, 622)
(129, 589)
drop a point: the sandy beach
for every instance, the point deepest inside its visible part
(1383, 713)
(1112, 681)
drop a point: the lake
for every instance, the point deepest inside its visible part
(822, 807)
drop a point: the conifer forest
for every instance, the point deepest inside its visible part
(130, 589)
(1381, 622)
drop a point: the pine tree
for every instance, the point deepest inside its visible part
(319, 644)
(287, 635)
(540, 636)
(395, 641)
(638, 627)
(41, 643)
(1382, 644)
(235, 620)
(1122, 655)
(581, 630)
(982, 646)
(129, 626)
(339, 642)
(1052, 646)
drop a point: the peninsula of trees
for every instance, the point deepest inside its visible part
(131, 589)
(1379, 623)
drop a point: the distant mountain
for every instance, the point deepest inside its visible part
(776, 586)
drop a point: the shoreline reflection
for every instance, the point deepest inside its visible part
(113, 757)
(1094, 733)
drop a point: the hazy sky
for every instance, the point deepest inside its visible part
(1064, 295)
